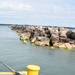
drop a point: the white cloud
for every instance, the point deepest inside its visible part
(14, 6)
(20, 9)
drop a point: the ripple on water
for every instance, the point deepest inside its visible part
(18, 55)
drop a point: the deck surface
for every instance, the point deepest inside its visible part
(10, 73)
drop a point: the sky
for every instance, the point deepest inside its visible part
(38, 12)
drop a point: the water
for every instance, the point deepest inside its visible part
(18, 55)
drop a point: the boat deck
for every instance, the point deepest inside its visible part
(10, 73)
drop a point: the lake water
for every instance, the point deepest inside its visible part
(18, 55)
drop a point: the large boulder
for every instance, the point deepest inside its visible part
(39, 43)
(62, 35)
(64, 39)
(68, 46)
(33, 39)
(43, 41)
(73, 46)
(25, 36)
(54, 36)
(56, 44)
(31, 35)
(71, 35)
(62, 45)
(47, 32)
(53, 39)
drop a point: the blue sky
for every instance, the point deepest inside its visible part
(38, 12)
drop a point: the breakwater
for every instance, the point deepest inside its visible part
(18, 55)
(57, 37)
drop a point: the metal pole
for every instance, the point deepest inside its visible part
(16, 73)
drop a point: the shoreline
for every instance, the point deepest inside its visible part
(56, 37)
(35, 25)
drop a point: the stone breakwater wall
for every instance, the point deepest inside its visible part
(47, 36)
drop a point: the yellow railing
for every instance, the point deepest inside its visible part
(31, 70)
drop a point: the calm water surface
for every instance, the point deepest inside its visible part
(18, 55)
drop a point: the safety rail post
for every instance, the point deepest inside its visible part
(33, 70)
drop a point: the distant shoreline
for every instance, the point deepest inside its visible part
(35, 25)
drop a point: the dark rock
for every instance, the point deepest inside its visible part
(71, 35)
(50, 42)
(32, 34)
(47, 31)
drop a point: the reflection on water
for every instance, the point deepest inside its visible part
(18, 55)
